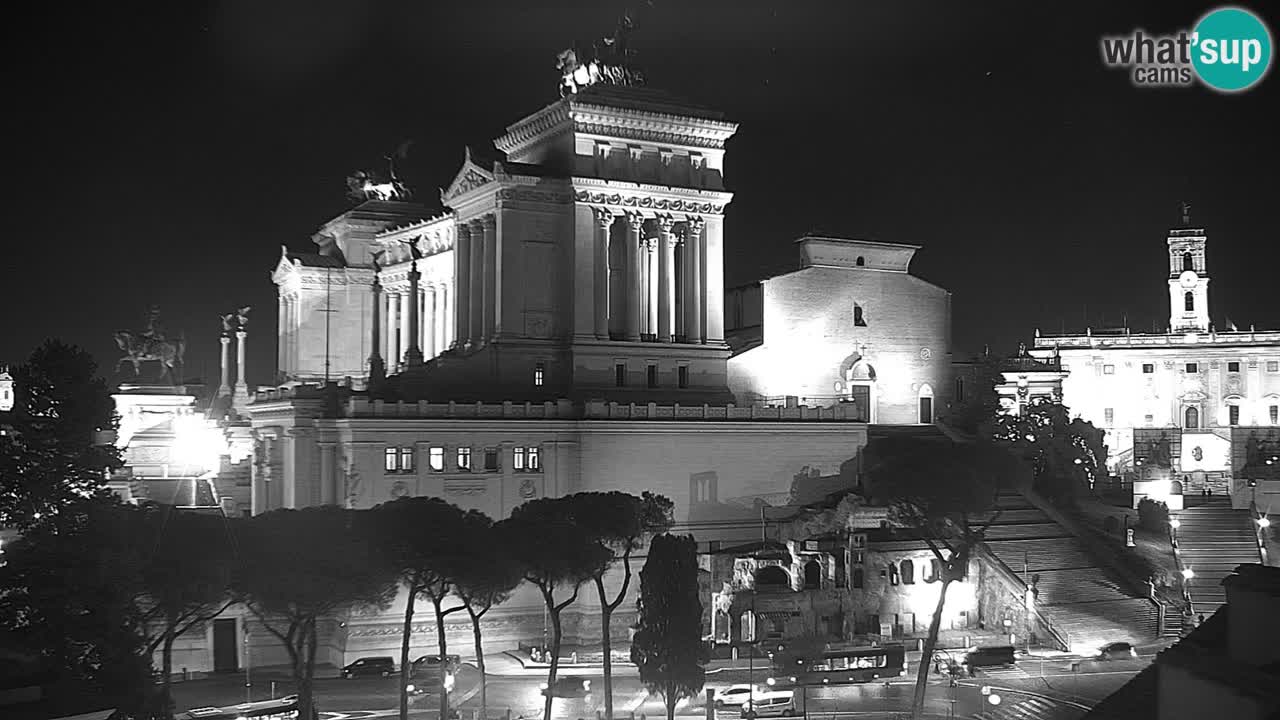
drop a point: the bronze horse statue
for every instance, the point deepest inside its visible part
(139, 349)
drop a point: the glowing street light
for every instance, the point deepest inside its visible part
(1264, 522)
(1188, 573)
(1175, 523)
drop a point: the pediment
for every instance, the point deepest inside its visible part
(470, 176)
(284, 267)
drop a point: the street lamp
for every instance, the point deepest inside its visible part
(1174, 524)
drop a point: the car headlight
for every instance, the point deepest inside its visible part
(770, 682)
(409, 688)
(586, 684)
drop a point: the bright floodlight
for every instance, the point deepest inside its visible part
(1264, 522)
(1188, 573)
(1175, 523)
(994, 699)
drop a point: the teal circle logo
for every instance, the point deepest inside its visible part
(1231, 49)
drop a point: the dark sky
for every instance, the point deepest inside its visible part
(162, 153)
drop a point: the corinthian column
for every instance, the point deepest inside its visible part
(492, 288)
(429, 322)
(377, 371)
(241, 396)
(694, 304)
(604, 221)
(475, 327)
(666, 273)
(651, 288)
(413, 354)
(462, 281)
(393, 325)
(224, 389)
(634, 297)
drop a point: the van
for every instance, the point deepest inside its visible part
(980, 657)
(383, 666)
(779, 703)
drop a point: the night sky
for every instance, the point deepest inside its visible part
(162, 154)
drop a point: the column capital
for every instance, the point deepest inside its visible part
(463, 230)
(635, 220)
(694, 223)
(489, 221)
(665, 223)
(604, 217)
(241, 335)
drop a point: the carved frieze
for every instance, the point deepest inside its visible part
(648, 202)
(465, 487)
(536, 196)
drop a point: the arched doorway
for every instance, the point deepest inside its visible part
(772, 577)
(860, 380)
(925, 398)
(1192, 417)
(812, 575)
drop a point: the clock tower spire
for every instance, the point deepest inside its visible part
(1188, 277)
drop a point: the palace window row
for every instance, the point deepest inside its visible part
(1233, 366)
(905, 573)
(650, 375)
(525, 458)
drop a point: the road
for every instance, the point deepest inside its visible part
(1034, 690)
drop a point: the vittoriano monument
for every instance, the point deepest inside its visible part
(151, 345)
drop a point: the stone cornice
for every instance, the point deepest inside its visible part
(552, 120)
(659, 128)
(623, 196)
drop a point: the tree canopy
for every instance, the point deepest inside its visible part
(1067, 455)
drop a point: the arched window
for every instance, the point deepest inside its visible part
(861, 261)
(858, 579)
(812, 575)
(772, 576)
(1189, 302)
(858, 319)
(1188, 263)
(925, 402)
(908, 572)
(893, 574)
(935, 571)
(1193, 418)
(1175, 487)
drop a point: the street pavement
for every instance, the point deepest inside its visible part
(1049, 688)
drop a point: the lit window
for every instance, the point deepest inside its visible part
(620, 374)
(651, 376)
(533, 454)
(858, 319)
(1193, 368)
(893, 574)
(490, 459)
(1148, 368)
(1108, 369)
(464, 458)
(1233, 414)
(682, 376)
(517, 460)
(391, 460)
(1110, 415)
(1233, 367)
(406, 459)
(436, 459)
(539, 372)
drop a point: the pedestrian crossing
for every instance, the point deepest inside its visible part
(1028, 708)
(1001, 673)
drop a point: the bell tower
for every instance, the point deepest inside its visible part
(1188, 278)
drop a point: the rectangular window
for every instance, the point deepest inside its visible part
(620, 374)
(682, 376)
(517, 460)
(1149, 420)
(490, 459)
(435, 457)
(464, 458)
(1233, 414)
(1110, 415)
(1274, 413)
(1273, 366)
(1233, 367)
(959, 389)
(534, 458)
(1148, 368)
(1108, 369)
(1193, 368)
(539, 374)
(406, 459)
(391, 459)
(651, 376)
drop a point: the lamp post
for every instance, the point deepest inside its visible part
(1174, 524)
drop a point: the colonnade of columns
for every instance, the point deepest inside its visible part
(664, 274)
(476, 277)
(400, 308)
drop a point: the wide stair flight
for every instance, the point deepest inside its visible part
(1076, 593)
(1214, 540)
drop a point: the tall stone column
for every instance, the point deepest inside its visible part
(492, 288)
(634, 223)
(666, 277)
(393, 326)
(377, 370)
(694, 305)
(604, 221)
(651, 288)
(462, 283)
(413, 353)
(402, 315)
(445, 327)
(241, 397)
(475, 328)
(224, 389)
(429, 343)
(282, 334)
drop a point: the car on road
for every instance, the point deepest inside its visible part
(1117, 651)
(984, 657)
(776, 703)
(383, 666)
(435, 661)
(735, 695)
(568, 687)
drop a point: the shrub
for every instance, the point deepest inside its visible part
(1153, 515)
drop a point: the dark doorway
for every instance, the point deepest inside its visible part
(926, 410)
(812, 575)
(224, 646)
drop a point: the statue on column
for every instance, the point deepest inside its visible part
(151, 345)
(242, 317)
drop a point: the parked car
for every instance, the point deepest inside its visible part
(1117, 651)
(434, 662)
(568, 687)
(383, 666)
(777, 703)
(735, 695)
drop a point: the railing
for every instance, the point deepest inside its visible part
(1056, 634)
(1090, 339)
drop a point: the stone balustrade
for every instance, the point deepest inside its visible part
(1158, 340)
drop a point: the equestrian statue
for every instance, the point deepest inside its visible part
(151, 345)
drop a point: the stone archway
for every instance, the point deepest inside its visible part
(772, 577)
(858, 385)
(813, 575)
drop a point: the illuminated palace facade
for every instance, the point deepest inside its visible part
(560, 327)
(1184, 410)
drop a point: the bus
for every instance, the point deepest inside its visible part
(285, 708)
(841, 666)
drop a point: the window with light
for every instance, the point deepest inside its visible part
(464, 458)
(435, 459)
